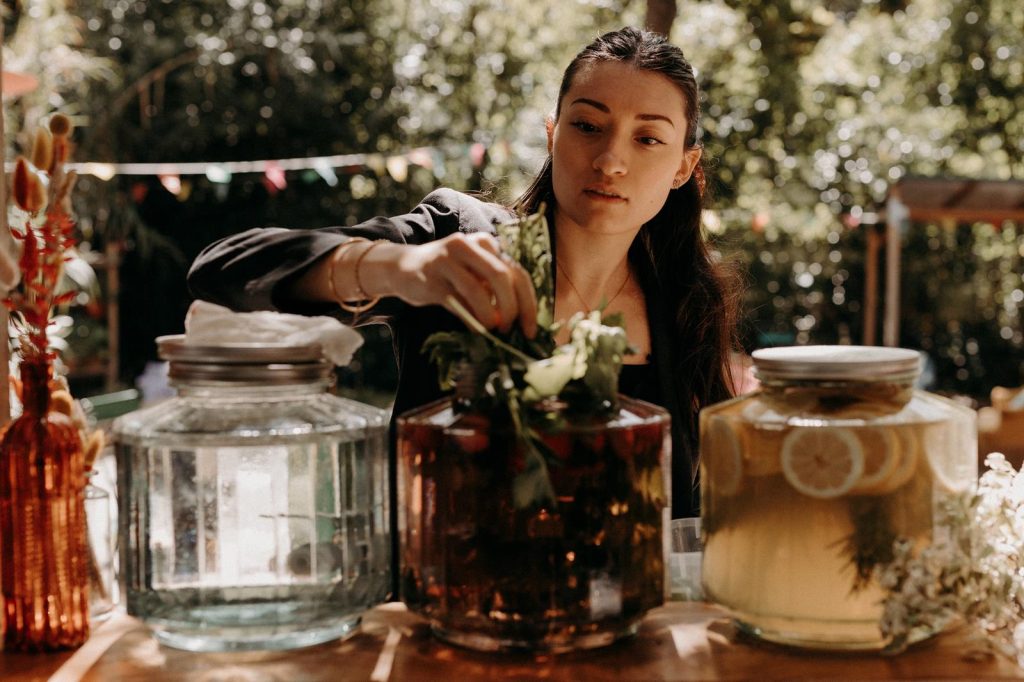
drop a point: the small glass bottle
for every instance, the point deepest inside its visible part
(101, 550)
(253, 507)
(806, 483)
(491, 572)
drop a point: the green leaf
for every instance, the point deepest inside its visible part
(513, 374)
(446, 349)
(532, 486)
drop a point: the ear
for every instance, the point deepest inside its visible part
(549, 125)
(691, 157)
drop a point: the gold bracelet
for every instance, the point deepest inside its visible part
(363, 302)
(339, 252)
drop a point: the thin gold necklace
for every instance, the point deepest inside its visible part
(586, 308)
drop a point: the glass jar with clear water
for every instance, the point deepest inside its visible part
(253, 507)
(806, 483)
(99, 528)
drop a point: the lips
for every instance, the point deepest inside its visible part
(604, 193)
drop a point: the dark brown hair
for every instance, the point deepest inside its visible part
(697, 294)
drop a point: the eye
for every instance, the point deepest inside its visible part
(649, 141)
(584, 126)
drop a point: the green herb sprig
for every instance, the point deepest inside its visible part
(871, 542)
(514, 375)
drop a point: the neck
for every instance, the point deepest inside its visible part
(595, 264)
(593, 267)
(592, 278)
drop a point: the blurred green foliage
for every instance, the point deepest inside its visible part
(811, 109)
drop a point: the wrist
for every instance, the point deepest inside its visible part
(377, 270)
(345, 275)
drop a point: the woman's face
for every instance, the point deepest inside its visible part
(617, 148)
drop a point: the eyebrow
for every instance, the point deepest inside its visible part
(600, 106)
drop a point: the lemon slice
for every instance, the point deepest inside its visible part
(944, 446)
(822, 462)
(722, 455)
(881, 448)
(867, 411)
(910, 451)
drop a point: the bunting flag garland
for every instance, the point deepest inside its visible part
(398, 168)
(171, 182)
(476, 154)
(326, 173)
(218, 174)
(421, 157)
(273, 170)
(174, 176)
(273, 177)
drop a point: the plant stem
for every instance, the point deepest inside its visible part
(475, 325)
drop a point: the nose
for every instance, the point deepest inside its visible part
(610, 160)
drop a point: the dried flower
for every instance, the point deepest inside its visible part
(60, 125)
(61, 401)
(42, 148)
(46, 234)
(60, 128)
(29, 187)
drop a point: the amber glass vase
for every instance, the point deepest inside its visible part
(43, 550)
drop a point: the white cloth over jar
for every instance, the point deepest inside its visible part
(211, 324)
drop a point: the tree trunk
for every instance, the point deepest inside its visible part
(660, 15)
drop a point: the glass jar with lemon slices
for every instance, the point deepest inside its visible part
(806, 484)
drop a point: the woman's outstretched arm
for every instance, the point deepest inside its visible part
(444, 248)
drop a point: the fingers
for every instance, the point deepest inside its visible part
(471, 267)
(519, 299)
(481, 256)
(463, 284)
(514, 294)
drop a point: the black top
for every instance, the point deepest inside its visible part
(250, 270)
(640, 382)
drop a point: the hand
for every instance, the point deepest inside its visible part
(470, 268)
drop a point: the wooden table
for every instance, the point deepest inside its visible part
(680, 641)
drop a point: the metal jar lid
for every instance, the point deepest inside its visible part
(242, 363)
(837, 363)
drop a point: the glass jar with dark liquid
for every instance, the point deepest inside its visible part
(493, 570)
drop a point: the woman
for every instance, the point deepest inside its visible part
(624, 190)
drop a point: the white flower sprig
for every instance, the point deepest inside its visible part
(594, 354)
(974, 570)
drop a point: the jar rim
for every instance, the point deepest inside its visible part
(834, 362)
(242, 363)
(175, 347)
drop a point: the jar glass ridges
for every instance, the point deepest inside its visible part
(576, 574)
(806, 483)
(253, 506)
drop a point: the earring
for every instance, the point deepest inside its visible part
(677, 183)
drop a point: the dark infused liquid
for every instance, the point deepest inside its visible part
(577, 572)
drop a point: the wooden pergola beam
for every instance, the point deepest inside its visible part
(961, 201)
(995, 216)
